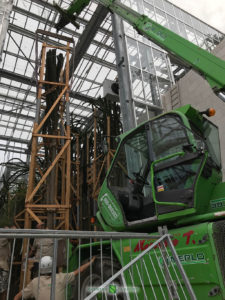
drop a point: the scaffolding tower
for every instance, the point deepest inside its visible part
(48, 193)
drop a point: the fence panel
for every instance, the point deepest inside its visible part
(116, 271)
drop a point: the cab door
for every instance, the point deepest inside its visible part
(176, 163)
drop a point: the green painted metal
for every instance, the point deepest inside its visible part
(205, 187)
(215, 255)
(152, 179)
(208, 65)
(195, 243)
(191, 114)
(110, 209)
(77, 7)
(193, 235)
(196, 250)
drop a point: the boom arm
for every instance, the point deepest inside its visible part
(205, 63)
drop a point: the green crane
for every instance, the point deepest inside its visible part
(167, 171)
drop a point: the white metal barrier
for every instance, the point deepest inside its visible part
(118, 270)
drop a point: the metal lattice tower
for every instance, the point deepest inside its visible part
(48, 193)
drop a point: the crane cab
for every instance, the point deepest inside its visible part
(164, 170)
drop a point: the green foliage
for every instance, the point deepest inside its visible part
(12, 202)
(13, 191)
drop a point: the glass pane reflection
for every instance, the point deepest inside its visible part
(150, 71)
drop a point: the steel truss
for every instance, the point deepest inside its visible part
(45, 200)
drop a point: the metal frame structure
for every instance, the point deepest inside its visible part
(5, 10)
(98, 57)
(49, 183)
(165, 273)
(95, 149)
(162, 267)
(93, 63)
(80, 103)
(94, 171)
(50, 203)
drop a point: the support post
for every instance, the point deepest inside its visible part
(126, 101)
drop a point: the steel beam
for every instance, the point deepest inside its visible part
(87, 36)
(15, 88)
(32, 35)
(17, 77)
(19, 151)
(13, 139)
(126, 100)
(31, 106)
(52, 8)
(31, 81)
(66, 30)
(5, 10)
(16, 115)
(19, 56)
(11, 101)
(11, 127)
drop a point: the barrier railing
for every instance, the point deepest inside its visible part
(117, 270)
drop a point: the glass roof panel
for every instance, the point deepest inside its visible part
(17, 80)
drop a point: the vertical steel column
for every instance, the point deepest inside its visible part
(36, 123)
(125, 91)
(54, 265)
(126, 101)
(108, 142)
(30, 186)
(77, 181)
(95, 154)
(68, 151)
(5, 10)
